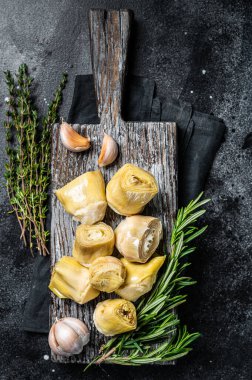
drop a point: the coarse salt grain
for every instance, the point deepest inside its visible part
(46, 357)
(203, 72)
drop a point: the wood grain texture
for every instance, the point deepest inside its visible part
(109, 37)
(151, 146)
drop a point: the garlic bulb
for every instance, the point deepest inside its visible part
(140, 278)
(92, 242)
(72, 140)
(68, 336)
(138, 236)
(107, 274)
(115, 316)
(71, 280)
(109, 151)
(84, 197)
(130, 189)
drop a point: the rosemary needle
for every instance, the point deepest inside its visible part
(159, 336)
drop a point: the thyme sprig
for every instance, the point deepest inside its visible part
(159, 336)
(29, 153)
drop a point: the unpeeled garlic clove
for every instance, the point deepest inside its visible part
(109, 151)
(72, 140)
(68, 336)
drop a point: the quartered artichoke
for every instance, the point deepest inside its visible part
(130, 189)
(71, 280)
(138, 236)
(107, 274)
(84, 197)
(140, 278)
(93, 241)
(115, 316)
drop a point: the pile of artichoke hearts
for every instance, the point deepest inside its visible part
(92, 269)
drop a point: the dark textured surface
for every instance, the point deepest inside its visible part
(173, 42)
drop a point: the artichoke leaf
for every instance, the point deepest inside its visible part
(84, 197)
(93, 241)
(115, 316)
(107, 274)
(130, 189)
(140, 278)
(71, 280)
(138, 237)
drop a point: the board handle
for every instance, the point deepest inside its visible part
(109, 37)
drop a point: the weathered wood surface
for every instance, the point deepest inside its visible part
(109, 38)
(151, 146)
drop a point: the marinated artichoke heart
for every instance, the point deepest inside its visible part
(71, 280)
(140, 278)
(84, 197)
(130, 189)
(115, 316)
(138, 236)
(107, 274)
(93, 241)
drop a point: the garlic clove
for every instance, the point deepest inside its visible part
(72, 140)
(68, 336)
(109, 151)
(79, 327)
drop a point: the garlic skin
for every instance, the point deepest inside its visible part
(140, 278)
(71, 280)
(68, 336)
(107, 274)
(72, 140)
(130, 189)
(109, 151)
(115, 316)
(138, 237)
(93, 241)
(84, 197)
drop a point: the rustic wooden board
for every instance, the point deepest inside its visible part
(151, 146)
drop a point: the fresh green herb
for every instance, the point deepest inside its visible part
(28, 149)
(159, 336)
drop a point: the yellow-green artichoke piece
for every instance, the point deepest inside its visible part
(140, 278)
(84, 197)
(107, 274)
(130, 189)
(115, 316)
(93, 241)
(138, 236)
(71, 280)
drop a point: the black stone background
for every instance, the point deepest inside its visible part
(173, 42)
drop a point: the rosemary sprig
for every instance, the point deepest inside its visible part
(159, 336)
(28, 149)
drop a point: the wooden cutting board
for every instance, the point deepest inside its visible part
(149, 145)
